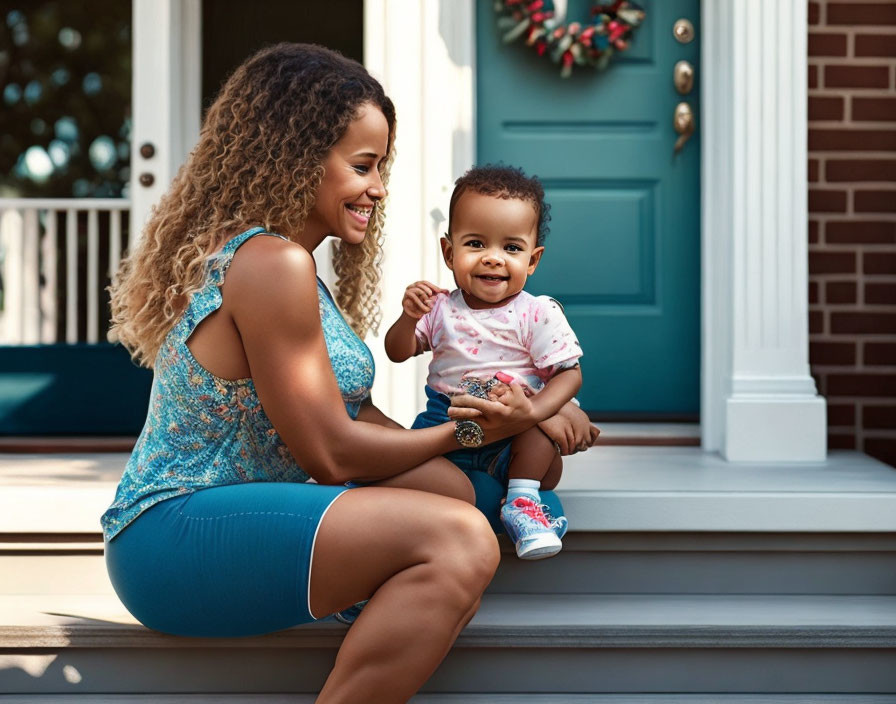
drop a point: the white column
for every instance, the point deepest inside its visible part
(422, 52)
(166, 95)
(759, 400)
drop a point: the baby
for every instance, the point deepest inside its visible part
(490, 331)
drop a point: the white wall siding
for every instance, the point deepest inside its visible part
(423, 55)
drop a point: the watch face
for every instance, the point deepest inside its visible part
(468, 433)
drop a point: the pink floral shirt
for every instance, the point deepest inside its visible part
(527, 338)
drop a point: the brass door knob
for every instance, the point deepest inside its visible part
(683, 77)
(683, 31)
(684, 124)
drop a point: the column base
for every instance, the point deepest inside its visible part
(783, 429)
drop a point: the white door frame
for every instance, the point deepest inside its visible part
(758, 400)
(166, 95)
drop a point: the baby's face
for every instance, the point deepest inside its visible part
(491, 249)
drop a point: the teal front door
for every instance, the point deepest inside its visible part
(623, 254)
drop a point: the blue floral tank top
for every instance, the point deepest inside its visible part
(203, 431)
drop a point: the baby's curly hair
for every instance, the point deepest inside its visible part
(259, 161)
(505, 182)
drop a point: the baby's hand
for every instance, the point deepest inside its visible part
(419, 297)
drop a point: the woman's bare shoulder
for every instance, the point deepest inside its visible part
(266, 266)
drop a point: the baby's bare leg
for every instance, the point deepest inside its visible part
(534, 460)
(533, 455)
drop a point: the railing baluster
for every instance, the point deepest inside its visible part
(114, 241)
(93, 282)
(49, 309)
(114, 252)
(5, 336)
(12, 276)
(30, 268)
(71, 276)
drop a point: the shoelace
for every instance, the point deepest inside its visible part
(546, 511)
(531, 509)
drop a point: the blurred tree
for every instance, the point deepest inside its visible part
(65, 96)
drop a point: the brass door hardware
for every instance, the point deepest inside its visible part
(684, 124)
(683, 77)
(683, 31)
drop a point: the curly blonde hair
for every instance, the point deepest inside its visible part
(259, 161)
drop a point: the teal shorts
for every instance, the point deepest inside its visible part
(225, 561)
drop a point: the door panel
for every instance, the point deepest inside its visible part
(623, 252)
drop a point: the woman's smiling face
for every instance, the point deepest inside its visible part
(352, 183)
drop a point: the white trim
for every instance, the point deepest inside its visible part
(423, 55)
(759, 401)
(82, 204)
(166, 95)
(311, 557)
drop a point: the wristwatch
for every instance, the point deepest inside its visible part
(468, 433)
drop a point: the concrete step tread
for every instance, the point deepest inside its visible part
(467, 698)
(558, 620)
(605, 489)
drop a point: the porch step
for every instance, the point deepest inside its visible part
(643, 520)
(552, 620)
(566, 644)
(681, 574)
(590, 563)
(607, 489)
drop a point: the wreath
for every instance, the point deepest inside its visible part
(610, 30)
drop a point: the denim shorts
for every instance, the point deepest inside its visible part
(493, 459)
(225, 561)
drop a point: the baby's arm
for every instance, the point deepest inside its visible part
(570, 429)
(559, 390)
(401, 341)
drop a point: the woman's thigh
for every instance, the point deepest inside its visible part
(225, 561)
(437, 476)
(372, 533)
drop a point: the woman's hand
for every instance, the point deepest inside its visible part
(570, 429)
(507, 411)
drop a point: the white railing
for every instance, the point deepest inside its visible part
(46, 241)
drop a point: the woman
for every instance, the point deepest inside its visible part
(261, 386)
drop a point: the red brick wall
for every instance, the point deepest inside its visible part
(852, 220)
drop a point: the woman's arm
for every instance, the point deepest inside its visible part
(272, 294)
(371, 414)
